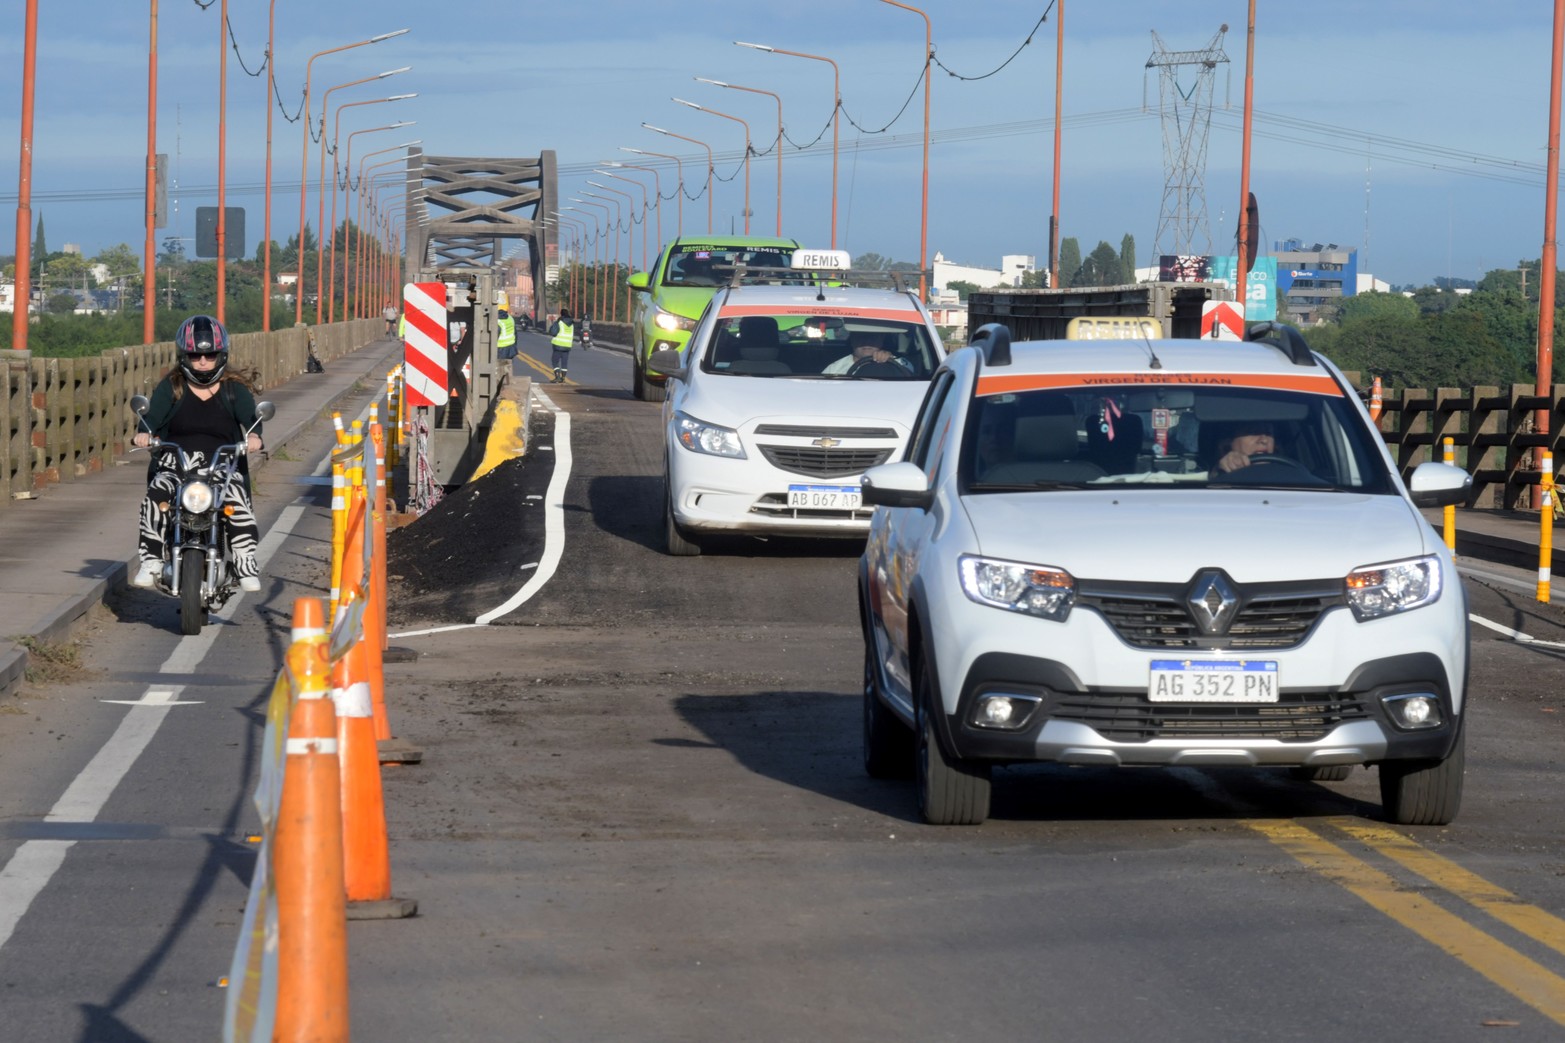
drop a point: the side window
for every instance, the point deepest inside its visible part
(932, 430)
(701, 333)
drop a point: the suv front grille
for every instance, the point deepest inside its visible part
(801, 431)
(1270, 617)
(822, 463)
(1299, 717)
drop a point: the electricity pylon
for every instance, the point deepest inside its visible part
(1187, 122)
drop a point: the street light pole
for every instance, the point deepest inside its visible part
(1059, 85)
(836, 113)
(778, 146)
(657, 189)
(24, 184)
(645, 207)
(320, 245)
(607, 292)
(304, 160)
(597, 251)
(923, 222)
(347, 175)
(679, 167)
(629, 249)
(746, 126)
(709, 167)
(222, 160)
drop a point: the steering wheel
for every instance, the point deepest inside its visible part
(1276, 459)
(889, 370)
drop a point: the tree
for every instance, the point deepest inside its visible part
(1127, 257)
(119, 260)
(40, 247)
(61, 304)
(1364, 305)
(1070, 261)
(962, 287)
(1101, 268)
(872, 262)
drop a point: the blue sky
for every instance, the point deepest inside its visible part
(1415, 132)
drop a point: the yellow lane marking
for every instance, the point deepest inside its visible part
(1518, 975)
(1470, 887)
(542, 368)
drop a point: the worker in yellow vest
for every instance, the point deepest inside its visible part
(561, 334)
(505, 342)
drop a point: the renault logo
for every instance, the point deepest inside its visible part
(827, 442)
(1212, 603)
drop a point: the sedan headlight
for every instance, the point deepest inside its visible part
(1380, 590)
(700, 437)
(196, 497)
(667, 320)
(1036, 590)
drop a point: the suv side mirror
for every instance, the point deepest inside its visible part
(639, 281)
(668, 362)
(1438, 485)
(901, 484)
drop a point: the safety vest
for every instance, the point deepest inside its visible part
(402, 327)
(564, 338)
(507, 333)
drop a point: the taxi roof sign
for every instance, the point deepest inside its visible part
(1114, 327)
(822, 260)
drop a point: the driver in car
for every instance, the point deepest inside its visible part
(1251, 439)
(866, 346)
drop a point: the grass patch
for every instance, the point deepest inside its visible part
(51, 661)
(282, 454)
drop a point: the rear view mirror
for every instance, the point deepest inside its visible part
(139, 404)
(902, 484)
(265, 410)
(667, 362)
(1438, 485)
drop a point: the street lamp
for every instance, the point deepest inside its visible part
(777, 98)
(378, 152)
(597, 249)
(679, 166)
(709, 170)
(657, 189)
(836, 112)
(629, 249)
(746, 126)
(923, 221)
(320, 243)
(347, 174)
(607, 292)
(304, 157)
(645, 206)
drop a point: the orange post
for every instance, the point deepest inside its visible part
(378, 528)
(312, 935)
(1546, 526)
(339, 512)
(1449, 457)
(1376, 401)
(365, 857)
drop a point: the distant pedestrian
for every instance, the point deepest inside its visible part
(390, 315)
(561, 334)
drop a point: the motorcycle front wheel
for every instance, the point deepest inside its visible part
(192, 571)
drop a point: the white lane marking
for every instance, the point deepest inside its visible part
(553, 529)
(1514, 635)
(156, 698)
(36, 861)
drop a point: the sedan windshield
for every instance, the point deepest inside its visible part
(1199, 436)
(821, 348)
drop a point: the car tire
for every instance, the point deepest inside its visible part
(1424, 793)
(680, 545)
(951, 792)
(653, 392)
(888, 744)
(1329, 773)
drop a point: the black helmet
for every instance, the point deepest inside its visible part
(201, 335)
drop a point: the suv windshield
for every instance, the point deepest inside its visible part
(1188, 437)
(821, 347)
(713, 266)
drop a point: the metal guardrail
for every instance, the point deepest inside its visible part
(65, 418)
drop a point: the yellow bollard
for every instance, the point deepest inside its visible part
(1376, 402)
(1450, 510)
(1546, 522)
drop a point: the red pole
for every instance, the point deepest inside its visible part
(1245, 231)
(271, 79)
(149, 280)
(923, 223)
(24, 185)
(222, 158)
(1059, 88)
(1551, 183)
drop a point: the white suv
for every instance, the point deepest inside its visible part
(794, 381)
(1158, 552)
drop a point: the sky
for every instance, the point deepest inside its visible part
(1414, 131)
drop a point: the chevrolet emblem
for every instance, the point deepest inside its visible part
(827, 442)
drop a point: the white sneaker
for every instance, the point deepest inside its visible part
(250, 583)
(147, 575)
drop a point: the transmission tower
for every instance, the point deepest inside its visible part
(1187, 122)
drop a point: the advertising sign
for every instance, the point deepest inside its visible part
(1260, 300)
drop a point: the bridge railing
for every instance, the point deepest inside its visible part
(64, 418)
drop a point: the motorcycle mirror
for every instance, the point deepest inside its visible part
(139, 404)
(265, 410)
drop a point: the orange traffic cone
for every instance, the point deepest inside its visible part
(312, 936)
(309, 620)
(365, 854)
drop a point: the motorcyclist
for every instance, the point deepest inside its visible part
(200, 405)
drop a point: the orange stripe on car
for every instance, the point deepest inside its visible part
(899, 314)
(1005, 383)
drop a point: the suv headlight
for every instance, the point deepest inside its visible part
(667, 320)
(196, 497)
(1380, 590)
(700, 437)
(1036, 590)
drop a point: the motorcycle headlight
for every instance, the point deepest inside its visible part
(196, 497)
(700, 437)
(667, 320)
(1035, 590)
(1381, 590)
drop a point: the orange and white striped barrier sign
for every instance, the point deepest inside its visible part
(425, 351)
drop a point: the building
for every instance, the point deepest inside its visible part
(1311, 280)
(1012, 268)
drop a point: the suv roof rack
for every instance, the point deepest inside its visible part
(1285, 338)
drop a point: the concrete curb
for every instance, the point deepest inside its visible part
(61, 621)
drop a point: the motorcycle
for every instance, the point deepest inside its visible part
(586, 335)
(197, 565)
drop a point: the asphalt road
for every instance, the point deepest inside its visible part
(641, 816)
